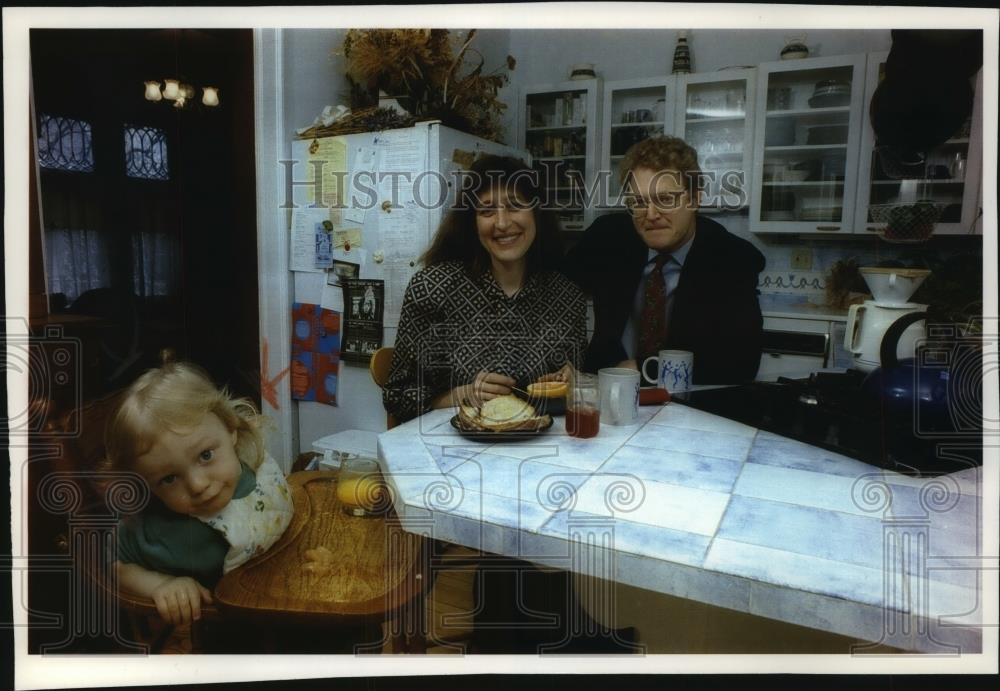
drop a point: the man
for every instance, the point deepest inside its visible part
(661, 276)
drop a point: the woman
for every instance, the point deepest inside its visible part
(488, 311)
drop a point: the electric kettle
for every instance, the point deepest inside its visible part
(867, 325)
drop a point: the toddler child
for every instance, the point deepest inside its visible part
(218, 497)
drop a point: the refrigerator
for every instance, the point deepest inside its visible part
(400, 215)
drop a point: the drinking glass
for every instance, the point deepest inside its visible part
(583, 408)
(360, 487)
(709, 146)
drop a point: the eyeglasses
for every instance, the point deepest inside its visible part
(663, 202)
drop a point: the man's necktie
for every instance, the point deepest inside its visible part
(653, 318)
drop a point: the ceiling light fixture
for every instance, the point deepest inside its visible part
(181, 94)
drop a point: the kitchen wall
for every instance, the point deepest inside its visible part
(314, 74)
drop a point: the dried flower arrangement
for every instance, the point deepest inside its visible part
(844, 284)
(428, 72)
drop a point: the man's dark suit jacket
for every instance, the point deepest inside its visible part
(715, 312)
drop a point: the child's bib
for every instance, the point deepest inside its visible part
(253, 523)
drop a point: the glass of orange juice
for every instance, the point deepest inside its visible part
(360, 488)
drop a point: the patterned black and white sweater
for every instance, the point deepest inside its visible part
(454, 325)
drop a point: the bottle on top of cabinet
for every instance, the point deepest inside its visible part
(682, 55)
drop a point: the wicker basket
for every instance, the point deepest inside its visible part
(363, 120)
(906, 222)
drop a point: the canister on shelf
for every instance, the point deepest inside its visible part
(658, 109)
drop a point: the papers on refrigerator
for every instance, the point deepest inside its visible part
(365, 160)
(328, 158)
(302, 253)
(402, 232)
(402, 158)
(364, 304)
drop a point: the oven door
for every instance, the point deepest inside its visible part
(792, 354)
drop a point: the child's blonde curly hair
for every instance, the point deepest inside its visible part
(174, 397)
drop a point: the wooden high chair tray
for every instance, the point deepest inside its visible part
(367, 567)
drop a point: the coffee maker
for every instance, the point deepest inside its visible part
(867, 323)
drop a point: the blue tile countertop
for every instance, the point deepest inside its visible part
(698, 506)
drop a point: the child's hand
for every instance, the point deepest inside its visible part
(178, 600)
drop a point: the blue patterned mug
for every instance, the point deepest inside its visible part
(674, 370)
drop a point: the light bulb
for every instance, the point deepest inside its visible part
(153, 91)
(210, 97)
(172, 90)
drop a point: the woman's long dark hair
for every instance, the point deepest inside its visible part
(457, 238)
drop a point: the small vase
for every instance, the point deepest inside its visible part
(682, 55)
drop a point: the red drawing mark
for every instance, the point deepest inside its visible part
(269, 387)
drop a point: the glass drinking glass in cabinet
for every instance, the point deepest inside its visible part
(733, 140)
(709, 144)
(735, 103)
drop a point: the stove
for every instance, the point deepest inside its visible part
(831, 411)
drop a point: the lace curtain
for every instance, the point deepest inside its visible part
(83, 240)
(155, 263)
(77, 248)
(152, 216)
(77, 261)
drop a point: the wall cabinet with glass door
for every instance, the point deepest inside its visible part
(943, 185)
(558, 127)
(809, 117)
(634, 109)
(714, 115)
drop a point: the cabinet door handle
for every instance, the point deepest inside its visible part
(825, 228)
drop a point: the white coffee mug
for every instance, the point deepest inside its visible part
(674, 369)
(619, 387)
